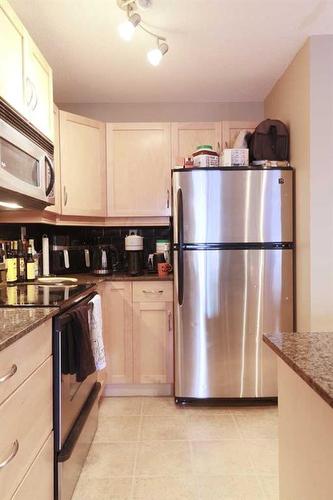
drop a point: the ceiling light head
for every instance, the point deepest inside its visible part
(154, 56)
(144, 4)
(127, 28)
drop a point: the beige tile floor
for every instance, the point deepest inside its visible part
(149, 449)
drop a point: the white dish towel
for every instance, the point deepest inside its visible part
(96, 332)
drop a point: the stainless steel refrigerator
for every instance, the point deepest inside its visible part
(233, 280)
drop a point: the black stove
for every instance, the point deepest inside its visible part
(37, 295)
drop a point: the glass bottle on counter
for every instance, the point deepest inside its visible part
(20, 261)
(2, 254)
(31, 267)
(35, 256)
(11, 263)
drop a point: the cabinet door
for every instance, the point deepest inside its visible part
(38, 482)
(117, 326)
(187, 136)
(39, 81)
(230, 130)
(139, 165)
(11, 57)
(82, 163)
(56, 208)
(153, 342)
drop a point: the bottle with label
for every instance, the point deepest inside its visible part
(11, 263)
(31, 268)
(35, 257)
(20, 261)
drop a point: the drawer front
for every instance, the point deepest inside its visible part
(37, 484)
(26, 422)
(153, 291)
(20, 359)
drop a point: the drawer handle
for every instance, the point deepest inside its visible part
(156, 292)
(8, 375)
(11, 456)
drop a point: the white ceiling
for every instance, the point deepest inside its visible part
(220, 50)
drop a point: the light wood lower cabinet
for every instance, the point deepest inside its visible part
(138, 332)
(16, 366)
(38, 483)
(117, 323)
(153, 342)
(26, 421)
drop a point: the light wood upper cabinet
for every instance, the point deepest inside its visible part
(187, 136)
(117, 327)
(39, 82)
(230, 130)
(153, 342)
(139, 164)
(25, 76)
(83, 165)
(11, 57)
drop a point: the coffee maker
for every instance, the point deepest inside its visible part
(134, 254)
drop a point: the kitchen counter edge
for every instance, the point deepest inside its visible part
(16, 322)
(310, 355)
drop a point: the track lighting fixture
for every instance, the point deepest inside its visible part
(154, 56)
(127, 28)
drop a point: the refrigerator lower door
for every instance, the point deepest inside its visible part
(230, 298)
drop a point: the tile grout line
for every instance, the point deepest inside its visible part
(195, 484)
(137, 449)
(243, 439)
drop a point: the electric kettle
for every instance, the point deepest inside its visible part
(105, 259)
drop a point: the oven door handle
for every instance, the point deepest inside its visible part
(69, 445)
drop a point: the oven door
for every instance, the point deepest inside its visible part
(26, 171)
(75, 415)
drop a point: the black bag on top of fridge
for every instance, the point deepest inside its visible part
(270, 141)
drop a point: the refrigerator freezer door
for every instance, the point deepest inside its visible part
(234, 206)
(230, 298)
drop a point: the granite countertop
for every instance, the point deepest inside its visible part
(18, 321)
(119, 276)
(310, 355)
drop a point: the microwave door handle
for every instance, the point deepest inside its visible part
(49, 166)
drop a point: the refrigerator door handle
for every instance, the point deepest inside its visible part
(180, 220)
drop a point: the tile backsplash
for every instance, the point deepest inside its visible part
(87, 235)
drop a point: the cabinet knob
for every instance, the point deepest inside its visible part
(169, 321)
(65, 196)
(8, 375)
(153, 291)
(12, 454)
(35, 104)
(30, 91)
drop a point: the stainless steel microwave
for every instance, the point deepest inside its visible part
(26, 166)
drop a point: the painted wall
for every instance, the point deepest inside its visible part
(289, 102)
(168, 112)
(303, 98)
(321, 181)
